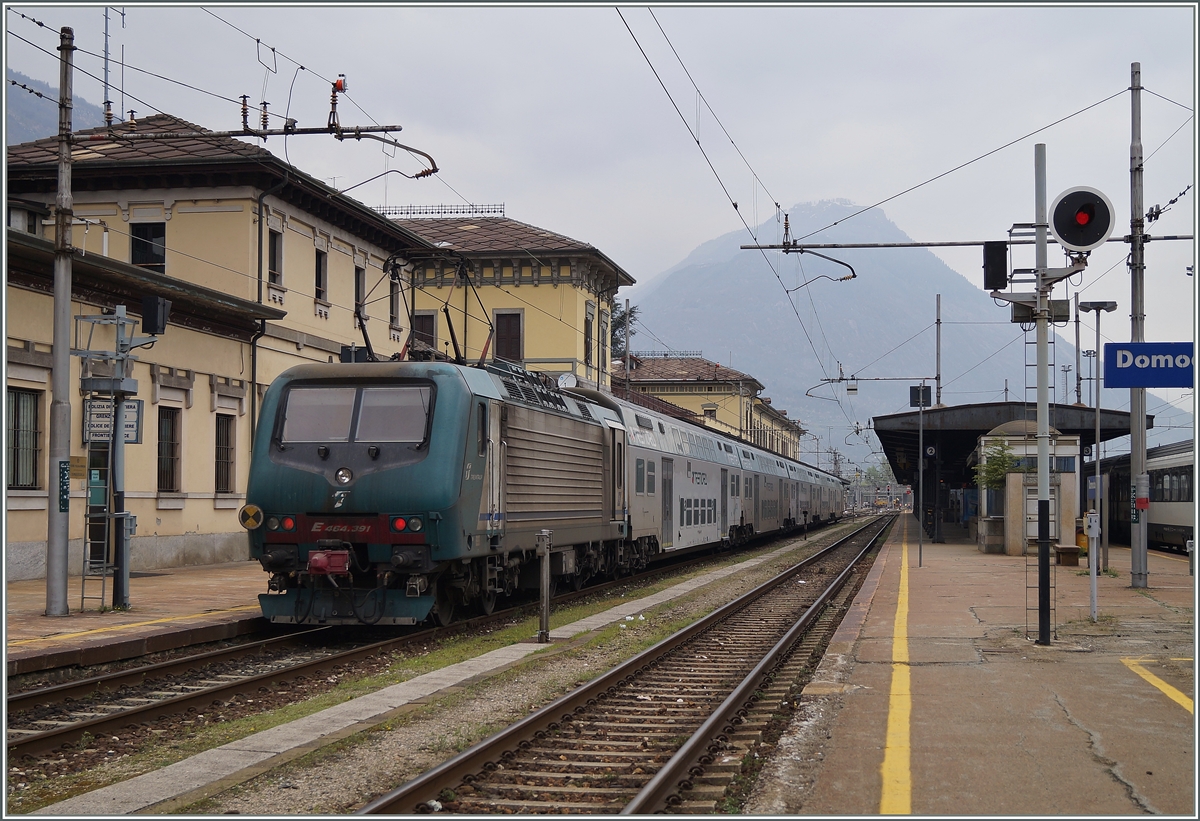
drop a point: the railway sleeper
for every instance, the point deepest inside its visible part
(618, 784)
(514, 807)
(555, 758)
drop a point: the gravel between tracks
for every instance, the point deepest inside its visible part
(343, 777)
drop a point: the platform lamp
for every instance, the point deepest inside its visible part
(1093, 529)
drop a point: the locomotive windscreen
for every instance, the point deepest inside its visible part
(367, 414)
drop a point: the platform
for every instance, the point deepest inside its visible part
(933, 700)
(211, 602)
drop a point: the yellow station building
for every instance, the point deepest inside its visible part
(722, 398)
(265, 267)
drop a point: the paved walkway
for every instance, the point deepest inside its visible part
(214, 601)
(931, 700)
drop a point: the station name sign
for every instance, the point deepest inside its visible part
(1148, 364)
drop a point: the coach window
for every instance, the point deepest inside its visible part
(1185, 488)
(639, 480)
(650, 477)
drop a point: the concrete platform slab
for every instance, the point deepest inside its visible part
(991, 723)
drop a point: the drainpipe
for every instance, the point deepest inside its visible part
(262, 323)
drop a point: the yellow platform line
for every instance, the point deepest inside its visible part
(896, 770)
(116, 627)
(1170, 692)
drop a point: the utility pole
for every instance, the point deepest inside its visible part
(938, 403)
(1043, 403)
(57, 518)
(1139, 572)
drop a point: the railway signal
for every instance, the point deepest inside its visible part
(1082, 218)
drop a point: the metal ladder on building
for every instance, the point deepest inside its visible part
(97, 525)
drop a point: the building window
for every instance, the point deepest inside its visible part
(148, 245)
(394, 303)
(425, 329)
(321, 281)
(602, 342)
(21, 219)
(275, 258)
(587, 341)
(24, 439)
(360, 290)
(168, 450)
(224, 454)
(508, 337)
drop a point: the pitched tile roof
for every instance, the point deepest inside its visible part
(491, 235)
(93, 145)
(678, 369)
(653, 403)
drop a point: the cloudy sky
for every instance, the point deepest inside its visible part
(558, 113)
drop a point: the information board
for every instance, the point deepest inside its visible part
(98, 421)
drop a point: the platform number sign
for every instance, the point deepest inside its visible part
(64, 486)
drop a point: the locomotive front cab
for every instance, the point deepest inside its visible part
(352, 480)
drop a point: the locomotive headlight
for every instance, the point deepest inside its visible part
(414, 524)
(272, 523)
(343, 476)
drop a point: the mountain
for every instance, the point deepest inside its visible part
(29, 117)
(730, 305)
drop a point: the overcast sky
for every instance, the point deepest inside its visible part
(556, 113)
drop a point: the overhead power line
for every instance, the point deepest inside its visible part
(729, 197)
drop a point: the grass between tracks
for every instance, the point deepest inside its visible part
(406, 665)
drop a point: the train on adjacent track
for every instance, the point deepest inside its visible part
(392, 492)
(1172, 513)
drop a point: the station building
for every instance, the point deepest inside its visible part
(265, 267)
(722, 398)
(498, 288)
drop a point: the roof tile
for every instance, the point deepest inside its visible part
(95, 145)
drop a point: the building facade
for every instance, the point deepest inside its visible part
(499, 288)
(264, 266)
(722, 398)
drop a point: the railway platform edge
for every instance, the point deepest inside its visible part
(932, 700)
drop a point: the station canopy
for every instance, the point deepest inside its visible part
(953, 433)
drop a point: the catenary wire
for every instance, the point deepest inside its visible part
(1167, 140)
(710, 109)
(720, 182)
(964, 165)
(1168, 99)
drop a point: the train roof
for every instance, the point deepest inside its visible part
(1182, 448)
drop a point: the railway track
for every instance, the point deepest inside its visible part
(662, 731)
(46, 719)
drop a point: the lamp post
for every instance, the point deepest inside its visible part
(1089, 356)
(1094, 523)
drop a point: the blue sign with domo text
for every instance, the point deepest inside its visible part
(1148, 364)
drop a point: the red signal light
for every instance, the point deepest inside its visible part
(1084, 215)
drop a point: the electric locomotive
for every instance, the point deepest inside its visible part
(395, 492)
